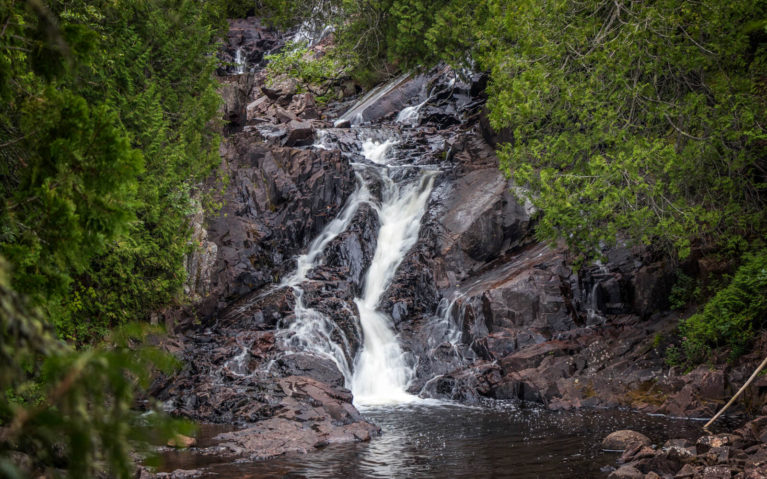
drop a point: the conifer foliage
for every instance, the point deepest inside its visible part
(105, 133)
(104, 136)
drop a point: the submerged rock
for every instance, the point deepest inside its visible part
(181, 441)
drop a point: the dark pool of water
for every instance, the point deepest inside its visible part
(459, 442)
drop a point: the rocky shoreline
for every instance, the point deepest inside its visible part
(486, 310)
(741, 454)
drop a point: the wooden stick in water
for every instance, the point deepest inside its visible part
(750, 380)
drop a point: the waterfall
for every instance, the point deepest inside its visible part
(239, 62)
(376, 151)
(312, 331)
(381, 371)
(411, 115)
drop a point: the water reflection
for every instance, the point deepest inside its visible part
(424, 441)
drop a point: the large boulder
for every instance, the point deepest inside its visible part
(482, 220)
(623, 439)
(235, 92)
(277, 201)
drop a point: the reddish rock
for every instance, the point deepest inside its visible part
(300, 133)
(705, 443)
(532, 356)
(623, 439)
(687, 472)
(635, 451)
(626, 472)
(717, 472)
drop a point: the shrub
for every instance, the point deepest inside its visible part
(733, 316)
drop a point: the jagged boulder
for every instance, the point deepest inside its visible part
(624, 439)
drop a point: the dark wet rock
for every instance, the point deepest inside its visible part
(631, 282)
(319, 369)
(300, 133)
(466, 385)
(277, 200)
(306, 107)
(352, 251)
(701, 396)
(253, 39)
(717, 472)
(284, 116)
(635, 451)
(687, 471)
(334, 299)
(396, 99)
(753, 432)
(281, 90)
(177, 474)
(234, 93)
(706, 443)
(533, 355)
(481, 221)
(715, 456)
(621, 440)
(260, 310)
(677, 443)
(518, 385)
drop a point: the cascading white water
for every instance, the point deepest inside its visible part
(412, 114)
(381, 371)
(309, 34)
(306, 261)
(376, 151)
(239, 62)
(312, 331)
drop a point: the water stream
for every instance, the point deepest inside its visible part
(436, 441)
(240, 65)
(381, 372)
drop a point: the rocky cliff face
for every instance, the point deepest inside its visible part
(485, 310)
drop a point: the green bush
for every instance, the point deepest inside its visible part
(296, 61)
(106, 129)
(684, 290)
(642, 121)
(733, 316)
(69, 409)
